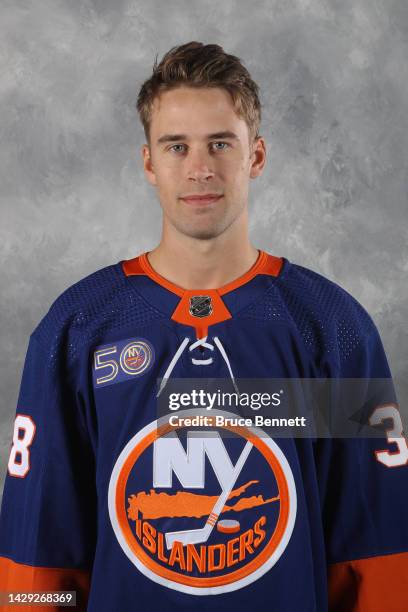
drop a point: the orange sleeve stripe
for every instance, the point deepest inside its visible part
(27, 578)
(369, 585)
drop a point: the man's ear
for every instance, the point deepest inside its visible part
(148, 164)
(258, 157)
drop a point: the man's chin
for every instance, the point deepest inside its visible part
(202, 228)
(201, 233)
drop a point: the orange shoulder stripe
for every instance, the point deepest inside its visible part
(132, 267)
(18, 577)
(374, 584)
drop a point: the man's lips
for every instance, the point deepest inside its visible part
(201, 199)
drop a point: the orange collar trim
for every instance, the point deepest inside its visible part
(265, 264)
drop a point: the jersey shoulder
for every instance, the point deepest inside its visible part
(321, 298)
(326, 314)
(330, 321)
(99, 301)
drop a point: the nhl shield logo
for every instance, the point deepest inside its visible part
(199, 514)
(201, 305)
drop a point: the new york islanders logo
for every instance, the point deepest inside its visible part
(199, 512)
(136, 357)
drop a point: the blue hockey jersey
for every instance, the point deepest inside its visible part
(100, 499)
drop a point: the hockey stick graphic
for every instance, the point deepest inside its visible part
(197, 536)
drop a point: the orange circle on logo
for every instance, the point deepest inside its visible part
(254, 564)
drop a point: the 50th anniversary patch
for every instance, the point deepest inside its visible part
(123, 360)
(202, 514)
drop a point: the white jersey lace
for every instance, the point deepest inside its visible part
(200, 342)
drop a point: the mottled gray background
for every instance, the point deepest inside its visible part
(334, 86)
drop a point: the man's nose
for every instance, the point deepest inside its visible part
(200, 165)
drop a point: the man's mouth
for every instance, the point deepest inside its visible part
(201, 199)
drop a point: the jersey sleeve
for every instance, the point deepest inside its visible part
(47, 520)
(364, 496)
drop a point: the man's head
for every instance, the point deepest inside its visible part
(201, 114)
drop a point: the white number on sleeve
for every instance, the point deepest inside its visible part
(19, 460)
(395, 435)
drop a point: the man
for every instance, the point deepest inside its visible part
(103, 499)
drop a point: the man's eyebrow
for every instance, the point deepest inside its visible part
(174, 137)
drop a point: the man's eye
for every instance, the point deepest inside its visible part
(176, 145)
(221, 143)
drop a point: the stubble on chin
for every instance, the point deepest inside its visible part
(203, 231)
(202, 225)
(199, 233)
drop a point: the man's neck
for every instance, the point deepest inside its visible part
(202, 264)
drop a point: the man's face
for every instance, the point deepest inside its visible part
(199, 145)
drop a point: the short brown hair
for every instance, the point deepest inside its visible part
(194, 64)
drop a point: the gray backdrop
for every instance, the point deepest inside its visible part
(334, 87)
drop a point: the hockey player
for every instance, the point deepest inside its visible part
(103, 500)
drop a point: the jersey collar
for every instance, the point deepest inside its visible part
(201, 308)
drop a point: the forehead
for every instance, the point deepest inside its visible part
(194, 110)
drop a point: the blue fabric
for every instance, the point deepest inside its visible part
(296, 325)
